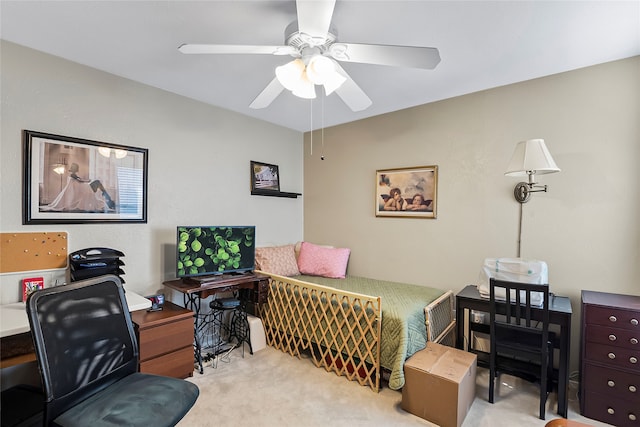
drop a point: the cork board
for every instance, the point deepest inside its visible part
(33, 251)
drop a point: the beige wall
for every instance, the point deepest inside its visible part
(586, 227)
(198, 161)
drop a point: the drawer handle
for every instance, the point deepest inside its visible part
(632, 388)
(613, 318)
(633, 340)
(632, 417)
(634, 322)
(612, 383)
(611, 356)
(611, 411)
(633, 359)
(612, 337)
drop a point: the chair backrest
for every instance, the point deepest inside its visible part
(84, 340)
(517, 309)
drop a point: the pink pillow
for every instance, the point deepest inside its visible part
(279, 260)
(323, 261)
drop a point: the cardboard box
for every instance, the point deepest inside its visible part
(440, 384)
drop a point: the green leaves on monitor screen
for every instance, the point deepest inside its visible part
(208, 249)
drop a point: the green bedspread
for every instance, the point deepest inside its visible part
(403, 319)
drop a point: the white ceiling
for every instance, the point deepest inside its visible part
(483, 44)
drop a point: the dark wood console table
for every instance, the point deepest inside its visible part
(253, 288)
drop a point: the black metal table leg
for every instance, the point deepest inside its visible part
(192, 302)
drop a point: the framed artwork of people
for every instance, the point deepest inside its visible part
(70, 180)
(407, 192)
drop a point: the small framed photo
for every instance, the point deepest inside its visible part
(264, 178)
(407, 192)
(70, 180)
(157, 302)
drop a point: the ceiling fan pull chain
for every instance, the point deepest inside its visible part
(311, 123)
(322, 131)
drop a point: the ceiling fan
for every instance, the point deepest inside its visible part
(314, 45)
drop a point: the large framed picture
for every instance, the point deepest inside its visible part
(74, 181)
(407, 192)
(265, 178)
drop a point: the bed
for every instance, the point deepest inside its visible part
(353, 326)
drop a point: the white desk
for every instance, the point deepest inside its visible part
(13, 317)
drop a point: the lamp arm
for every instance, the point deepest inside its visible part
(522, 191)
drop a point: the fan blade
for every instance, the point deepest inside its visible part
(267, 96)
(397, 56)
(314, 18)
(351, 94)
(236, 49)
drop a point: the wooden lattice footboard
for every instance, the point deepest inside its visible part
(340, 329)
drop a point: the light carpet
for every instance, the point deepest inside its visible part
(271, 388)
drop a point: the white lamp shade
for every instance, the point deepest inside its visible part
(289, 75)
(320, 69)
(104, 151)
(334, 81)
(531, 156)
(305, 88)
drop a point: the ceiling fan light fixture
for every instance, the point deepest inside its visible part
(305, 88)
(290, 74)
(320, 69)
(333, 82)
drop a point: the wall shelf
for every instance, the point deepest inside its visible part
(275, 194)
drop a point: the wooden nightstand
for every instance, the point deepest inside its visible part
(165, 339)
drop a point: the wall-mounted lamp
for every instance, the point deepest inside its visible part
(530, 157)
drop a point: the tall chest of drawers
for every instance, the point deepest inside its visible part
(610, 358)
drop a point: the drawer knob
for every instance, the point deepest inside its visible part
(612, 337)
(632, 388)
(633, 340)
(611, 383)
(632, 417)
(613, 318)
(634, 322)
(611, 411)
(633, 359)
(611, 356)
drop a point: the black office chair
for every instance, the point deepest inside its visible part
(520, 345)
(88, 358)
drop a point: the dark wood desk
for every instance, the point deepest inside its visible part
(559, 314)
(252, 288)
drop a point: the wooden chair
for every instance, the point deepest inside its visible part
(520, 345)
(88, 358)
